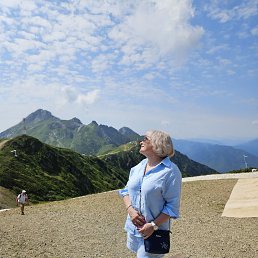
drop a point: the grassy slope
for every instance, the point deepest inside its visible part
(50, 173)
(7, 198)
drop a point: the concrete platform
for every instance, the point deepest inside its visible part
(243, 201)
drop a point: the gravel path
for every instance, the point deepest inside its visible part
(92, 226)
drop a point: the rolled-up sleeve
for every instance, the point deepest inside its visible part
(172, 194)
(123, 192)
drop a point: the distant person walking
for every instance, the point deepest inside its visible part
(21, 200)
(152, 194)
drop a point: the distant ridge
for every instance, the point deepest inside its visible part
(129, 133)
(251, 147)
(96, 139)
(88, 139)
(219, 157)
(126, 156)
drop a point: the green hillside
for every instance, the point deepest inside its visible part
(7, 198)
(50, 173)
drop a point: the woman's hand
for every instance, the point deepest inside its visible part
(137, 219)
(147, 230)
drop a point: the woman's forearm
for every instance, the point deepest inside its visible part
(127, 201)
(161, 219)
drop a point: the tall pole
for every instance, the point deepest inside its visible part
(24, 126)
(245, 161)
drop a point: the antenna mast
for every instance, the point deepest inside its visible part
(245, 160)
(24, 126)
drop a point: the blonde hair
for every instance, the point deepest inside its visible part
(162, 143)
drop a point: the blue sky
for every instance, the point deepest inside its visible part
(186, 67)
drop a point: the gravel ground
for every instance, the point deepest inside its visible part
(92, 226)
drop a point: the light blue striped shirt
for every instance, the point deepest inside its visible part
(160, 190)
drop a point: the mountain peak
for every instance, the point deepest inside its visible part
(76, 120)
(94, 123)
(38, 115)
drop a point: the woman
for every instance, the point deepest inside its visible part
(152, 193)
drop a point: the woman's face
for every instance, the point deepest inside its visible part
(146, 146)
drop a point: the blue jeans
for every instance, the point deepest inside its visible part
(136, 244)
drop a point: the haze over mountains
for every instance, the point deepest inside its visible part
(220, 157)
(250, 146)
(95, 139)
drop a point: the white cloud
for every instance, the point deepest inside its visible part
(216, 49)
(155, 30)
(10, 3)
(88, 98)
(4, 19)
(22, 45)
(126, 34)
(218, 10)
(70, 93)
(74, 96)
(36, 93)
(247, 10)
(254, 31)
(224, 61)
(231, 72)
(36, 21)
(102, 62)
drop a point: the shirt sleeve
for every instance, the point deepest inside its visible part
(123, 192)
(172, 194)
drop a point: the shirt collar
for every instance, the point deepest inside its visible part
(166, 162)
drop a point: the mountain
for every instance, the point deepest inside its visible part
(72, 134)
(50, 173)
(219, 157)
(251, 147)
(95, 139)
(42, 125)
(126, 156)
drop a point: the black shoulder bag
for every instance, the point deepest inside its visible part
(159, 241)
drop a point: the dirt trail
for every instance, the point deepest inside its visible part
(92, 226)
(3, 143)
